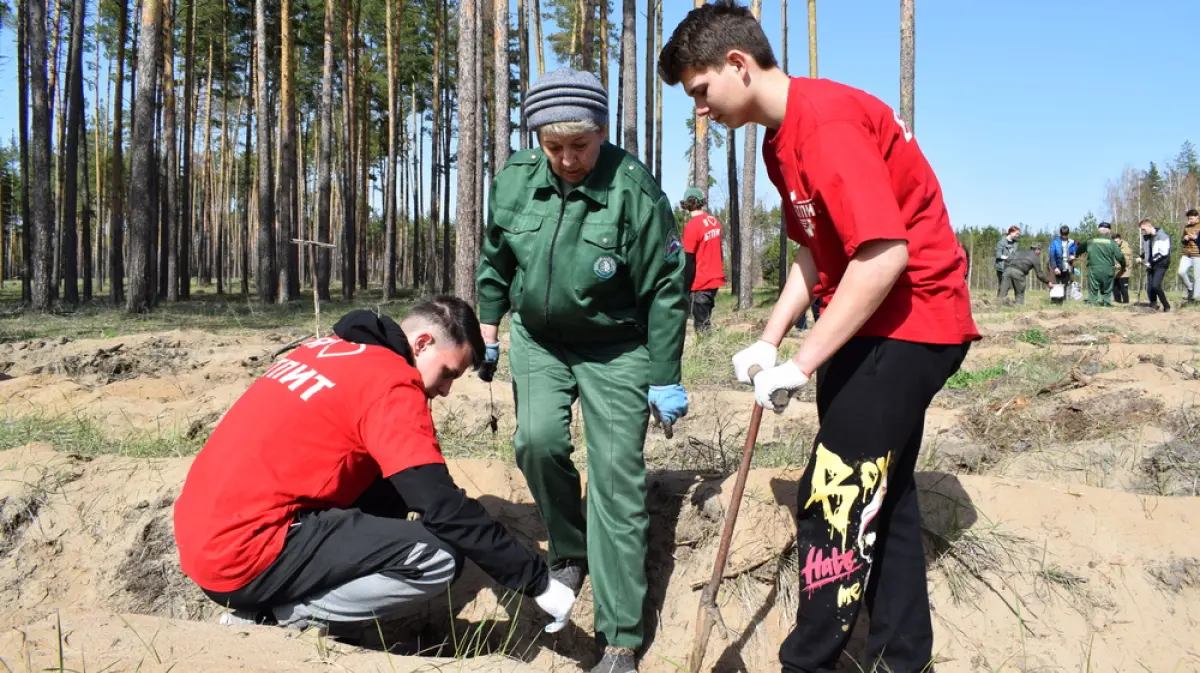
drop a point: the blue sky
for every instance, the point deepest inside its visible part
(1024, 108)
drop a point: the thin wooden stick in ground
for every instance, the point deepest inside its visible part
(316, 295)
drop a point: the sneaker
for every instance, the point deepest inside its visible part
(570, 573)
(616, 660)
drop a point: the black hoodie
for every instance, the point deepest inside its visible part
(445, 509)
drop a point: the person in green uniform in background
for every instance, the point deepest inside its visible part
(582, 247)
(1104, 256)
(1017, 269)
(1121, 283)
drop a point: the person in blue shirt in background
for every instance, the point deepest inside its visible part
(1062, 259)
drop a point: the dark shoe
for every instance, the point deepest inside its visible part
(570, 573)
(1166, 309)
(616, 660)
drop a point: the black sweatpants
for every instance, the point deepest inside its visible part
(703, 302)
(328, 548)
(1154, 285)
(1121, 290)
(858, 524)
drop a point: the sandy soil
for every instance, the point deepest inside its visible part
(1060, 525)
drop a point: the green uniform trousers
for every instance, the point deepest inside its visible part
(1100, 287)
(1014, 279)
(611, 382)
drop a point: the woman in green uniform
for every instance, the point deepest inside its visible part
(582, 247)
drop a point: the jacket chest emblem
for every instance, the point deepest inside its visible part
(604, 267)
(806, 213)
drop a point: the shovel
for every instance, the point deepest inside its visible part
(708, 612)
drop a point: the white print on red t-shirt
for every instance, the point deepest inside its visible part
(330, 349)
(711, 234)
(805, 212)
(294, 374)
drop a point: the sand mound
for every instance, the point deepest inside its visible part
(1017, 570)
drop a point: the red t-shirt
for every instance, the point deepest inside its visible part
(850, 172)
(313, 432)
(702, 238)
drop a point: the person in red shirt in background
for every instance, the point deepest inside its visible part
(864, 204)
(296, 511)
(704, 271)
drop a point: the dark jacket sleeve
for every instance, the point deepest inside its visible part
(464, 524)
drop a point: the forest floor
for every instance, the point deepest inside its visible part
(1059, 480)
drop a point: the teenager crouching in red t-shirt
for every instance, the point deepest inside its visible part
(877, 247)
(296, 510)
(704, 271)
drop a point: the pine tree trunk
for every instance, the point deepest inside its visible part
(267, 280)
(500, 111)
(430, 282)
(116, 187)
(171, 163)
(783, 239)
(364, 160)
(604, 44)
(812, 38)
(467, 217)
(523, 140)
(324, 158)
(734, 223)
(205, 186)
(700, 152)
(629, 124)
(41, 207)
(587, 35)
(389, 181)
(24, 62)
(418, 235)
(289, 287)
(908, 53)
(348, 194)
(749, 167)
(56, 97)
(142, 167)
(651, 55)
(658, 96)
(537, 35)
(186, 215)
(448, 124)
(85, 246)
(74, 100)
(245, 202)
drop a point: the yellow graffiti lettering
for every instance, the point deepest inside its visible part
(828, 488)
(871, 474)
(847, 595)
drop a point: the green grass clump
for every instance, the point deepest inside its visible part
(966, 379)
(1034, 336)
(83, 437)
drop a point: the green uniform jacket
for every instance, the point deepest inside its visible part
(1004, 248)
(1104, 256)
(603, 265)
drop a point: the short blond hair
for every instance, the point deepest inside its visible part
(573, 128)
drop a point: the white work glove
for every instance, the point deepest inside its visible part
(786, 377)
(557, 600)
(761, 354)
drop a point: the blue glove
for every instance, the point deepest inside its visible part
(491, 358)
(671, 402)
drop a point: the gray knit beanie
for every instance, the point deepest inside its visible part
(566, 95)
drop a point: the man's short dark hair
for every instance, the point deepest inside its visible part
(1064, 230)
(1116, 236)
(1192, 213)
(706, 35)
(456, 319)
(692, 203)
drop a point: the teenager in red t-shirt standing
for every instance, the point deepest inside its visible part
(704, 272)
(877, 246)
(296, 510)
